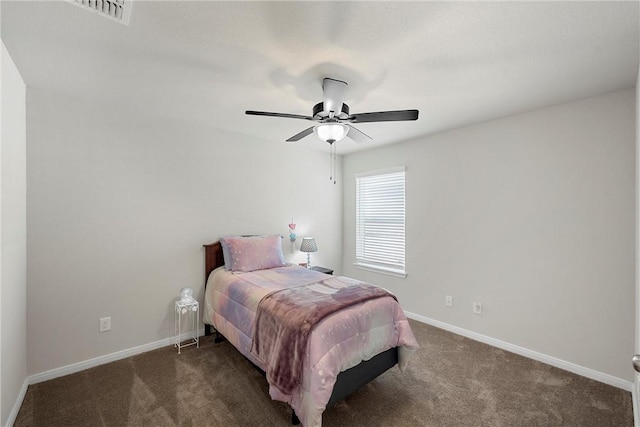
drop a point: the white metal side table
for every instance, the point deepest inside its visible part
(190, 310)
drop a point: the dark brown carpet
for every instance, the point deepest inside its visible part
(451, 381)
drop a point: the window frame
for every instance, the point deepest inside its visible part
(381, 264)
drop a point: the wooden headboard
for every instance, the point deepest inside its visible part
(212, 258)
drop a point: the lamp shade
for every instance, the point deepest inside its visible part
(331, 132)
(308, 245)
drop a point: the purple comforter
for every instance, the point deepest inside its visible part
(285, 318)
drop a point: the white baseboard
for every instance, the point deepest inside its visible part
(540, 357)
(101, 360)
(635, 395)
(16, 407)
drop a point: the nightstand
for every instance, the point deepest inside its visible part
(189, 310)
(322, 270)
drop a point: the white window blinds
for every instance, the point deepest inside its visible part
(380, 221)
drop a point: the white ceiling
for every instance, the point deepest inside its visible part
(459, 63)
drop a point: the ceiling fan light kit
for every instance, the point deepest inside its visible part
(331, 132)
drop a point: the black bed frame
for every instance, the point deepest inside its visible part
(347, 381)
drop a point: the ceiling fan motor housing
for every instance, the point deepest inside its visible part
(318, 111)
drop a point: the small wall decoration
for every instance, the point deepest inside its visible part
(292, 233)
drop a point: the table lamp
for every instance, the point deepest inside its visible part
(308, 245)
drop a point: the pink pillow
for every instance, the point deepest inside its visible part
(255, 252)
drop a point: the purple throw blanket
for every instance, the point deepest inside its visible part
(285, 318)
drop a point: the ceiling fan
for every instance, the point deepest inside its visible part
(333, 118)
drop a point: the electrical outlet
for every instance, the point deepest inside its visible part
(477, 307)
(448, 301)
(105, 324)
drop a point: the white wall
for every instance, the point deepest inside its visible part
(13, 300)
(636, 387)
(118, 210)
(532, 215)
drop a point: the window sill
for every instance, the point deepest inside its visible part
(381, 270)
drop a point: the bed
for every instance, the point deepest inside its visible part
(333, 366)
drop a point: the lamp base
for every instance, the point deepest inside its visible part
(308, 260)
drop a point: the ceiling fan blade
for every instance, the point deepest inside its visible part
(333, 91)
(385, 116)
(358, 135)
(297, 137)
(285, 115)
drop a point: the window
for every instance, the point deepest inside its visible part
(380, 221)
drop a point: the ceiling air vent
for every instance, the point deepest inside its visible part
(117, 10)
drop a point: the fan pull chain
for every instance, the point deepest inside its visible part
(332, 162)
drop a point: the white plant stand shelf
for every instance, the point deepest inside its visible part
(190, 310)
